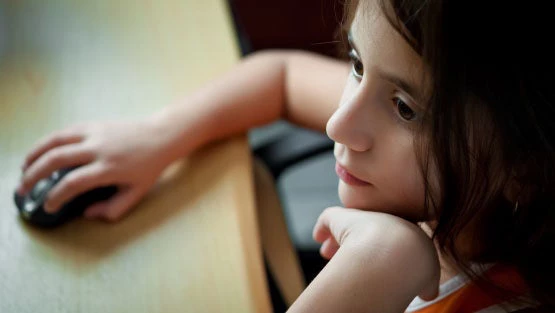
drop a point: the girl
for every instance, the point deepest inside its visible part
(445, 119)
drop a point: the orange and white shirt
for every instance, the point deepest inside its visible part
(460, 295)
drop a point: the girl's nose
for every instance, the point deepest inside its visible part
(351, 125)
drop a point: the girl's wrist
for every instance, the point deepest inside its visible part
(177, 136)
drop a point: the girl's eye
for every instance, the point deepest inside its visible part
(404, 110)
(358, 68)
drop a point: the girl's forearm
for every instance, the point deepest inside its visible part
(263, 88)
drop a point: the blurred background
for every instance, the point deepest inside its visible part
(309, 186)
(2, 32)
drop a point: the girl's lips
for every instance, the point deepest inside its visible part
(349, 179)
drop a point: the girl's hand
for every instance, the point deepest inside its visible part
(130, 155)
(396, 247)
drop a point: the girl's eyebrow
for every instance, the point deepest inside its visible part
(406, 86)
(403, 84)
(351, 40)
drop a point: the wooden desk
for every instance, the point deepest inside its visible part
(192, 244)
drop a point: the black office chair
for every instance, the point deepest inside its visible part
(295, 146)
(283, 154)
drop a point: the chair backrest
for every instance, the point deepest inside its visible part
(289, 24)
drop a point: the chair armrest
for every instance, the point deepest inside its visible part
(291, 148)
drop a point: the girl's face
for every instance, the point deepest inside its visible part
(375, 124)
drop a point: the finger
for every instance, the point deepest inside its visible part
(96, 209)
(121, 203)
(329, 248)
(334, 221)
(75, 183)
(50, 142)
(321, 232)
(55, 159)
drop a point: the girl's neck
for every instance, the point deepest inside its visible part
(448, 269)
(447, 266)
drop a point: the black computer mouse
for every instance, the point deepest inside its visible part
(31, 206)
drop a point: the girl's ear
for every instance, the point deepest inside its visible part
(513, 191)
(518, 189)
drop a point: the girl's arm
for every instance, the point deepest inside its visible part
(300, 87)
(379, 263)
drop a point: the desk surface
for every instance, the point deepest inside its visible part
(192, 244)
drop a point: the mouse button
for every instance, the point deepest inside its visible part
(28, 209)
(59, 174)
(40, 189)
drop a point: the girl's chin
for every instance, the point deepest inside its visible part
(355, 198)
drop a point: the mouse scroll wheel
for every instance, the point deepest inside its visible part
(40, 189)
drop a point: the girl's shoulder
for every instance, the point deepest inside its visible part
(463, 295)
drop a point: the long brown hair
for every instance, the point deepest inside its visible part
(489, 129)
